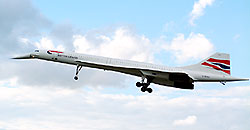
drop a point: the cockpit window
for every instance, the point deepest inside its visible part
(36, 50)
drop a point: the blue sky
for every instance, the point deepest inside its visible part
(98, 14)
(149, 18)
(42, 95)
(225, 23)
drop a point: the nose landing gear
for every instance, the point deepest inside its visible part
(76, 78)
(78, 69)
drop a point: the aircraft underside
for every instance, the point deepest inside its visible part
(177, 80)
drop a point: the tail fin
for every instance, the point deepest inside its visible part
(218, 61)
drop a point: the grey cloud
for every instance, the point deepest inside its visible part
(63, 34)
(42, 73)
(18, 18)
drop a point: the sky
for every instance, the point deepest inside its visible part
(41, 95)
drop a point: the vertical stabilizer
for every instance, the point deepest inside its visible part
(219, 62)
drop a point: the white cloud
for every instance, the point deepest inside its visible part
(46, 43)
(30, 101)
(26, 41)
(241, 91)
(169, 27)
(198, 9)
(190, 120)
(61, 108)
(123, 44)
(195, 46)
(9, 82)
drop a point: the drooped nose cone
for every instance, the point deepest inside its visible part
(28, 56)
(23, 57)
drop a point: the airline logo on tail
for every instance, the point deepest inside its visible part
(218, 64)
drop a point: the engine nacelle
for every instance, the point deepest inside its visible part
(183, 85)
(179, 77)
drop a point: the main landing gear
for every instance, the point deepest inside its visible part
(78, 69)
(144, 86)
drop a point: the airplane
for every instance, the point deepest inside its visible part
(215, 68)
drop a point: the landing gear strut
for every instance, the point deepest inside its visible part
(144, 86)
(78, 69)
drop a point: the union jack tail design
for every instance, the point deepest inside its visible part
(218, 61)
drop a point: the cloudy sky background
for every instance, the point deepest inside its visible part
(42, 95)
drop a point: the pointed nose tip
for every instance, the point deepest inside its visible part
(23, 57)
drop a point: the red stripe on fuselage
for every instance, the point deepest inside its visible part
(55, 51)
(227, 62)
(216, 67)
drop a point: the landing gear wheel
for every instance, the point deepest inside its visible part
(138, 84)
(76, 78)
(150, 90)
(144, 85)
(143, 89)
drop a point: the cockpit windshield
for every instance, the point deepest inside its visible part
(36, 50)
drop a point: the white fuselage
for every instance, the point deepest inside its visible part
(197, 74)
(215, 68)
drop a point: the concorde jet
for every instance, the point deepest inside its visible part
(215, 68)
